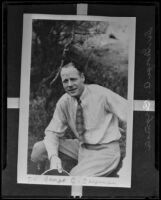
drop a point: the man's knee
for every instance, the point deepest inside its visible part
(39, 152)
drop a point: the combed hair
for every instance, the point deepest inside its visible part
(78, 66)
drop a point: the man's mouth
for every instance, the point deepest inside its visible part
(72, 90)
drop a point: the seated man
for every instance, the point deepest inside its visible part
(92, 112)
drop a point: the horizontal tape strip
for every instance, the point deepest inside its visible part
(144, 105)
(139, 105)
(13, 102)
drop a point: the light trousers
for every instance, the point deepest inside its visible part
(93, 160)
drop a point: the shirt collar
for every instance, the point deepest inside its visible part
(84, 93)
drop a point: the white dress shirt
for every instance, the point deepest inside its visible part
(102, 110)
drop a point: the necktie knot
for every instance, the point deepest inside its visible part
(79, 101)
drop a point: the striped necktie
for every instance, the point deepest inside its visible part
(79, 118)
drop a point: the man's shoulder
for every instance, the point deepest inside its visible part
(63, 99)
(98, 89)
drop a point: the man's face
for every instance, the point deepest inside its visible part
(73, 81)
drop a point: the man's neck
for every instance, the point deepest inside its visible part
(78, 97)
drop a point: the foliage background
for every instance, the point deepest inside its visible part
(100, 48)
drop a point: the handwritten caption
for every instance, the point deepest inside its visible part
(147, 52)
(61, 180)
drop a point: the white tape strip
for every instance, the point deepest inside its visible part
(76, 191)
(144, 105)
(13, 102)
(82, 9)
(139, 105)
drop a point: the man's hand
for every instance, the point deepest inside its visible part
(55, 163)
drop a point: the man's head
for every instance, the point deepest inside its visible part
(72, 79)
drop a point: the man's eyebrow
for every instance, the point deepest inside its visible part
(72, 78)
(65, 79)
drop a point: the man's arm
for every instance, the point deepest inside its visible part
(51, 142)
(55, 129)
(117, 105)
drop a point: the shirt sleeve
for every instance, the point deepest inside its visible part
(116, 104)
(54, 130)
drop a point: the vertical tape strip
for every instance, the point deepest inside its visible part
(76, 190)
(82, 9)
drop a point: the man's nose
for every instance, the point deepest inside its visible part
(69, 83)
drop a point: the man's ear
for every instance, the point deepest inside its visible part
(83, 77)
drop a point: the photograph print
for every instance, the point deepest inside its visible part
(76, 100)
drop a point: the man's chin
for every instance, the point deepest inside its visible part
(72, 94)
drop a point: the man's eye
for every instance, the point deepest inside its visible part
(65, 81)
